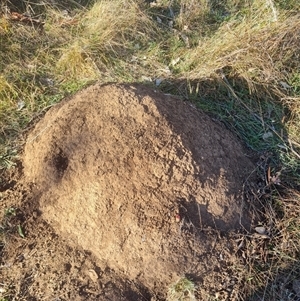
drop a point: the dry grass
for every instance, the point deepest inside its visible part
(272, 260)
(238, 59)
(99, 43)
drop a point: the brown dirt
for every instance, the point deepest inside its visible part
(124, 190)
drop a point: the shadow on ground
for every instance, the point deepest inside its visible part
(284, 286)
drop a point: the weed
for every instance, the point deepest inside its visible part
(182, 290)
(8, 212)
(10, 224)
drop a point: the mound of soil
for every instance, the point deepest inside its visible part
(124, 190)
(133, 176)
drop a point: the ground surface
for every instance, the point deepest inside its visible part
(123, 190)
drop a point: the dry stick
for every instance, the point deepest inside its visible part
(291, 147)
(48, 125)
(200, 218)
(259, 118)
(293, 142)
(40, 132)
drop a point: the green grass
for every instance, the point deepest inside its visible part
(237, 60)
(182, 290)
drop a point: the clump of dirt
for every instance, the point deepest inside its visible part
(121, 191)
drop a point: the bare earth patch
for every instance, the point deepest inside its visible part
(123, 191)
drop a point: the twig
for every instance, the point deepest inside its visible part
(200, 218)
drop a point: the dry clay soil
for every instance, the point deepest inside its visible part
(120, 191)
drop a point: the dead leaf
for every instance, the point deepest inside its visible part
(267, 135)
(158, 81)
(285, 85)
(175, 61)
(260, 230)
(269, 175)
(14, 16)
(93, 275)
(275, 179)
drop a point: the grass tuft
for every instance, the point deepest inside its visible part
(182, 290)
